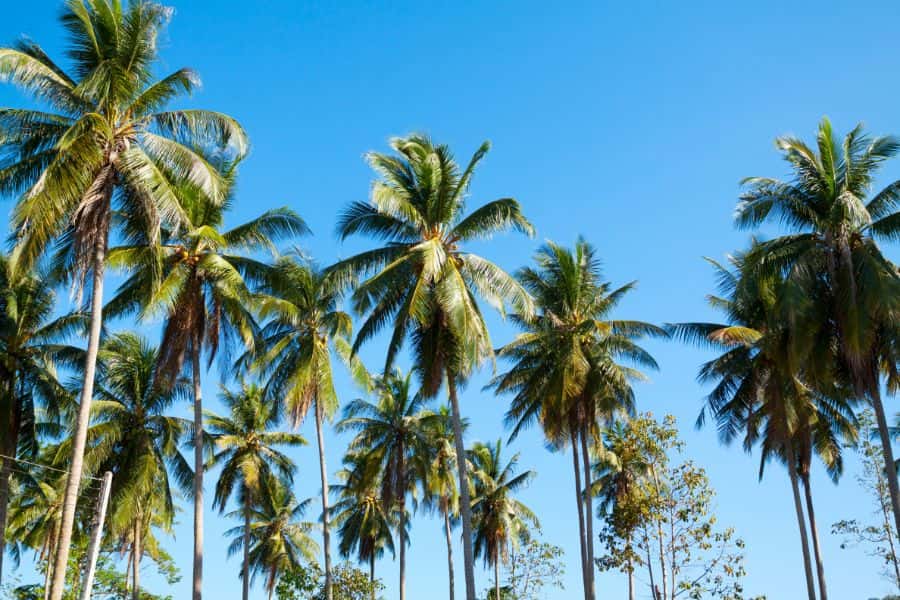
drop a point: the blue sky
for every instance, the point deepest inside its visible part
(629, 123)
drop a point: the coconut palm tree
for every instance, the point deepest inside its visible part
(760, 393)
(202, 293)
(304, 326)
(394, 432)
(423, 283)
(134, 438)
(31, 347)
(363, 522)
(248, 452)
(441, 491)
(501, 521)
(837, 222)
(570, 365)
(279, 540)
(106, 144)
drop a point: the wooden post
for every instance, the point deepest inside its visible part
(96, 536)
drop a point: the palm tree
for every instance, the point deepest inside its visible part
(423, 283)
(279, 541)
(247, 451)
(394, 432)
(441, 491)
(836, 225)
(305, 324)
(203, 294)
(108, 142)
(364, 523)
(500, 520)
(134, 438)
(30, 351)
(760, 388)
(566, 373)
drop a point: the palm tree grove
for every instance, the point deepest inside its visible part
(299, 332)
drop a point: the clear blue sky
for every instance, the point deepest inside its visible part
(628, 123)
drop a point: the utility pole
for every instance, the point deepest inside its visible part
(96, 536)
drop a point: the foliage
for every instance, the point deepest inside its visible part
(878, 538)
(661, 519)
(306, 582)
(533, 568)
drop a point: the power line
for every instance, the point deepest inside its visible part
(34, 464)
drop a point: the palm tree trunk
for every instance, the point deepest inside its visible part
(198, 470)
(588, 516)
(814, 533)
(801, 522)
(465, 504)
(73, 481)
(136, 557)
(323, 472)
(889, 467)
(496, 575)
(5, 473)
(576, 463)
(448, 530)
(245, 573)
(372, 574)
(401, 536)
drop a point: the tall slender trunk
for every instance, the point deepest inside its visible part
(629, 566)
(465, 504)
(661, 539)
(73, 481)
(323, 472)
(401, 536)
(588, 515)
(576, 465)
(496, 575)
(47, 575)
(889, 530)
(198, 470)
(136, 557)
(889, 467)
(245, 572)
(801, 522)
(814, 534)
(372, 575)
(653, 588)
(448, 530)
(5, 473)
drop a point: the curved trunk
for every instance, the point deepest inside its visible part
(73, 481)
(465, 505)
(448, 530)
(890, 468)
(198, 471)
(801, 522)
(588, 516)
(576, 464)
(323, 473)
(814, 533)
(245, 571)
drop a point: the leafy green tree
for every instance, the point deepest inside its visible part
(134, 438)
(279, 540)
(107, 145)
(31, 348)
(762, 391)
(879, 538)
(196, 277)
(836, 225)
(533, 568)
(571, 365)
(422, 284)
(301, 304)
(394, 432)
(663, 521)
(307, 583)
(247, 450)
(363, 521)
(501, 521)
